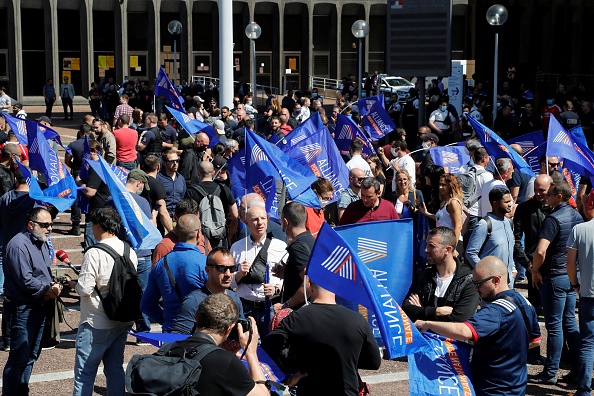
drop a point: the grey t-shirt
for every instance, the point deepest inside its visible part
(582, 240)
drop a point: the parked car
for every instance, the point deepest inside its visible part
(392, 84)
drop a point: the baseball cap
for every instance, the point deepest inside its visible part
(219, 162)
(197, 98)
(45, 119)
(138, 174)
(219, 126)
(430, 136)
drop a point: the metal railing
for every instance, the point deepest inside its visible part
(327, 87)
(260, 93)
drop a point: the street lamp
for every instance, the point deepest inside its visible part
(360, 30)
(496, 16)
(175, 28)
(253, 31)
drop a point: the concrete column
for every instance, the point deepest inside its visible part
(55, 55)
(367, 11)
(187, 59)
(338, 41)
(156, 25)
(48, 40)
(281, 52)
(121, 45)
(310, 13)
(86, 34)
(15, 26)
(225, 52)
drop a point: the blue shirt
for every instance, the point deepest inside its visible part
(501, 346)
(26, 269)
(174, 190)
(186, 318)
(187, 266)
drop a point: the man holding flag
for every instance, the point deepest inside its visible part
(503, 331)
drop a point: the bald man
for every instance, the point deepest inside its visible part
(187, 266)
(253, 199)
(503, 331)
(206, 187)
(192, 156)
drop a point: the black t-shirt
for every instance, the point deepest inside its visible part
(95, 92)
(99, 199)
(328, 342)
(155, 193)
(299, 251)
(226, 195)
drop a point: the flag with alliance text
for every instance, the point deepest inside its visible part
(533, 146)
(365, 104)
(377, 122)
(347, 130)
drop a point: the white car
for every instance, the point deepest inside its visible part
(390, 84)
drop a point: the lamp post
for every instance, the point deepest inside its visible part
(253, 31)
(360, 30)
(496, 16)
(175, 28)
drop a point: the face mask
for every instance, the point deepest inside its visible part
(140, 191)
(426, 145)
(249, 103)
(323, 203)
(444, 108)
(314, 95)
(297, 111)
(550, 102)
(200, 149)
(394, 152)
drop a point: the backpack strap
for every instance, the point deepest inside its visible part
(201, 191)
(114, 255)
(171, 278)
(489, 230)
(522, 310)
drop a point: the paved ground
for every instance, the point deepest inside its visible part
(52, 373)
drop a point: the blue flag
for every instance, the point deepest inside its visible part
(265, 159)
(498, 148)
(377, 122)
(193, 126)
(266, 187)
(45, 160)
(578, 133)
(346, 131)
(451, 158)
(577, 157)
(335, 266)
(365, 104)
(18, 126)
(21, 128)
(533, 146)
(317, 151)
(141, 233)
(166, 89)
(445, 369)
(61, 195)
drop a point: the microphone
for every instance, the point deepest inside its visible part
(63, 256)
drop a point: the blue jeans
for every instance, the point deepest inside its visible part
(27, 323)
(586, 362)
(127, 165)
(143, 270)
(94, 346)
(89, 237)
(259, 315)
(1, 262)
(558, 303)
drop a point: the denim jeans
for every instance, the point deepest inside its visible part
(558, 302)
(1, 262)
(143, 270)
(26, 330)
(259, 316)
(94, 346)
(586, 362)
(89, 237)
(127, 165)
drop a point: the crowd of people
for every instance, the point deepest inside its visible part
(222, 258)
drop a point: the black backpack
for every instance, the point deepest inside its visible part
(165, 373)
(122, 303)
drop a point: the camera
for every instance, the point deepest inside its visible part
(246, 324)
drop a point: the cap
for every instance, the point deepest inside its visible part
(197, 98)
(219, 162)
(219, 126)
(430, 136)
(45, 119)
(138, 174)
(11, 149)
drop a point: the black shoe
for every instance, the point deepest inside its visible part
(539, 379)
(536, 360)
(65, 118)
(75, 230)
(568, 378)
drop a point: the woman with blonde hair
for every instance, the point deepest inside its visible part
(451, 212)
(406, 195)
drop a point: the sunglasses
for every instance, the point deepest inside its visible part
(480, 282)
(43, 225)
(175, 161)
(361, 178)
(223, 268)
(557, 164)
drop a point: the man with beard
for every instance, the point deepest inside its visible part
(444, 291)
(27, 288)
(502, 332)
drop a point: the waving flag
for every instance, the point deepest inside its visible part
(45, 160)
(264, 159)
(317, 151)
(335, 266)
(61, 195)
(377, 122)
(443, 370)
(166, 89)
(577, 157)
(451, 158)
(193, 126)
(498, 148)
(141, 233)
(21, 127)
(18, 126)
(533, 146)
(346, 131)
(365, 104)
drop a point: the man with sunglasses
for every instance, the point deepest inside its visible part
(353, 192)
(175, 275)
(502, 331)
(28, 286)
(219, 269)
(173, 182)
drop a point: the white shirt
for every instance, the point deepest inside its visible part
(95, 270)
(480, 183)
(442, 284)
(358, 162)
(276, 251)
(407, 163)
(440, 118)
(484, 204)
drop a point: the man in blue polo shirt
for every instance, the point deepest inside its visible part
(501, 335)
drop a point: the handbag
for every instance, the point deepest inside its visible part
(257, 272)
